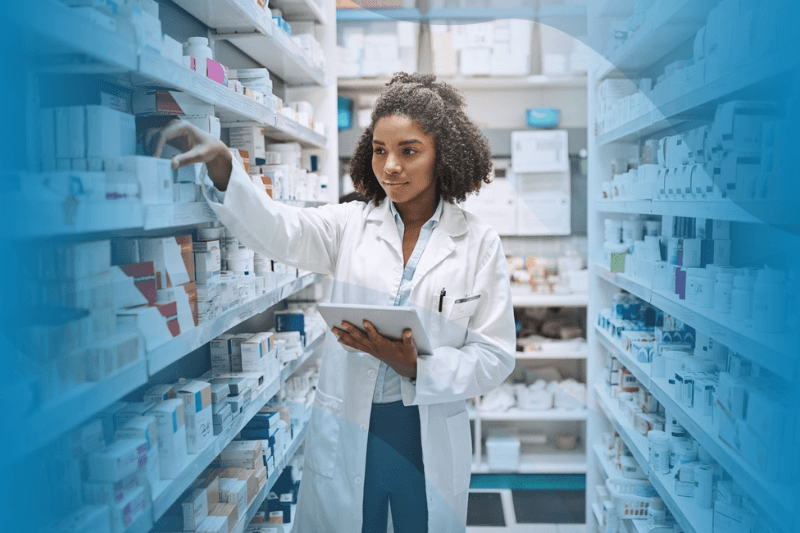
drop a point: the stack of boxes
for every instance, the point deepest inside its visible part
(378, 48)
(196, 396)
(497, 48)
(175, 307)
(79, 341)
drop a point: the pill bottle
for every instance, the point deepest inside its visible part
(656, 513)
(198, 48)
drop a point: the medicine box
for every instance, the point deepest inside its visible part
(127, 511)
(171, 436)
(221, 345)
(119, 460)
(199, 430)
(195, 509)
(247, 475)
(169, 103)
(172, 259)
(159, 393)
(109, 133)
(236, 349)
(229, 511)
(157, 324)
(196, 395)
(234, 491)
(207, 266)
(111, 493)
(140, 427)
(252, 140)
(153, 175)
(219, 392)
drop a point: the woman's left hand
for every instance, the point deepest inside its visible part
(401, 356)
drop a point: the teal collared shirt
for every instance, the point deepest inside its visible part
(387, 386)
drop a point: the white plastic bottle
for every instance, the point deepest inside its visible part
(198, 48)
(742, 297)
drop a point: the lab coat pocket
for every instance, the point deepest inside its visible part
(462, 310)
(323, 435)
(461, 449)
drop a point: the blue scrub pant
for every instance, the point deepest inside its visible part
(394, 472)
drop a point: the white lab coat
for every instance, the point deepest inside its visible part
(473, 343)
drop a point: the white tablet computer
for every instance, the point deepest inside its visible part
(390, 321)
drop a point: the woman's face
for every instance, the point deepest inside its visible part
(403, 159)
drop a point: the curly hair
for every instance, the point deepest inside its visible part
(463, 158)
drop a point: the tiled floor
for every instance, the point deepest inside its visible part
(531, 528)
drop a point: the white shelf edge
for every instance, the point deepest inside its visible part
(727, 332)
(53, 418)
(478, 82)
(178, 347)
(521, 296)
(549, 462)
(546, 355)
(751, 211)
(300, 10)
(520, 415)
(605, 466)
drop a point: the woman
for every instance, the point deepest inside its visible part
(389, 428)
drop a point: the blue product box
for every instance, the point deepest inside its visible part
(543, 117)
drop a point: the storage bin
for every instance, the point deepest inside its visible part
(628, 504)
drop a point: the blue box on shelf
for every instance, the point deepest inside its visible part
(543, 117)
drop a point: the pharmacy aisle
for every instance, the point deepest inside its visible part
(693, 286)
(164, 372)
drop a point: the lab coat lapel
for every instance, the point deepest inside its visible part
(386, 229)
(441, 244)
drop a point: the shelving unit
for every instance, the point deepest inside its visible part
(537, 81)
(546, 460)
(665, 36)
(69, 45)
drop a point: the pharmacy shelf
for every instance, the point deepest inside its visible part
(50, 219)
(640, 370)
(636, 442)
(377, 15)
(576, 81)
(522, 296)
(291, 367)
(55, 417)
(280, 54)
(288, 130)
(751, 211)
(609, 470)
(300, 10)
(63, 31)
(167, 491)
(549, 460)
(658, 36)
(155, 71)
(241, 15)
(689, 516)
(702, 102)
(176, 348)
(774, 498)
(522, 415)
(549, 355)
(770, 350)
